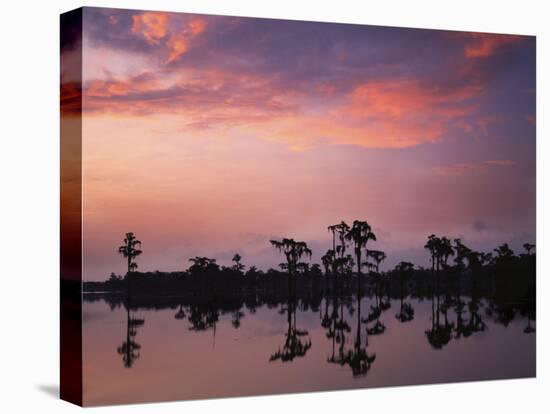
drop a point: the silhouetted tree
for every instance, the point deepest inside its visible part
(293, 252)
(462, 253)
(252, 272)
(378, 257)
(440, 250)
(328, 261)
(504, 252)
(341, 230)
(203, 265)
(445, 250)
(238, 265)
(360, 233)
(130, 250)
(114, 277)
(431, 245)
(528, 247)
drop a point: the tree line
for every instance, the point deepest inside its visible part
(453, 265)
(457, 279)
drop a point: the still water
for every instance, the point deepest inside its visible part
(180, 352)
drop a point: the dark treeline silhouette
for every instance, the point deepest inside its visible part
(501, 275)
(464, 287)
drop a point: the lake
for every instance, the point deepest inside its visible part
(169, 352)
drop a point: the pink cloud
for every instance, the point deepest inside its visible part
(386, 114)
(380, 114)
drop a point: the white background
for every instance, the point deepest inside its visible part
(29, 206)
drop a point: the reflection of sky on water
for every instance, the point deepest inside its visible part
(176, 363)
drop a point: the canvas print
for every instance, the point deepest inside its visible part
(257, 206)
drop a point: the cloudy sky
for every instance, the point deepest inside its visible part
(209, 135)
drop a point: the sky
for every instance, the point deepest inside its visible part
(210, 135)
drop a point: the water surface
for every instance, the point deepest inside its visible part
(138, 354)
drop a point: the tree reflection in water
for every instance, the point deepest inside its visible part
(348, 343)
(297, 341)
(130, 349)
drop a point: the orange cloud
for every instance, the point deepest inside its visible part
(178, 43)
(115, 87)
(305, 132)
(484, 45)
(197, 26)
(152, 26)
(390, 114)
(177, 46)
(379, 114)
(408, 98)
